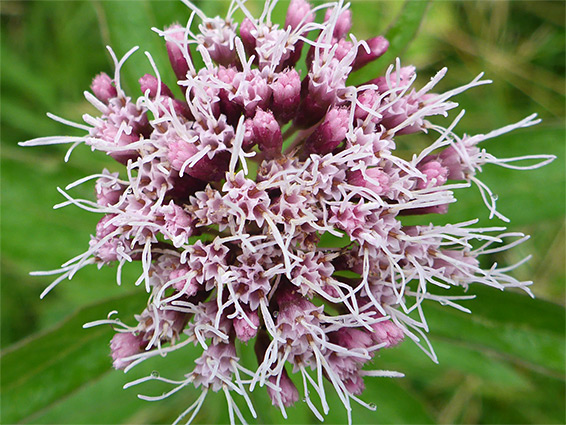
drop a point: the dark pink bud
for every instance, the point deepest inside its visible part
(286, 95)
(179, 152)
(267, 133)
(343, 23)
(177, 222)
(377, 180)
(316, 98)
(370, 100)
(244, 331)
(435, 209)
(377, 46)
(356, 178)
(330, 133)
(227, 74)
(102, 87)
(149, 82)
(206, 168)
(297, 11)
(310, 112)
(248, 39)
(183, 187)
(288, 393)
(108, 193)
(464, 263)
(451, 159)
(124, 345)
(106, 252)
(355, 384)
(102, 228)
(387, 332)
(110, 133)
(176, 49)
(248, 141)
(211, 169)
(436, 174)
(228, 107)
(404, 75)
(182, 109)
(351, 338)
(343, 48)
(185, 286)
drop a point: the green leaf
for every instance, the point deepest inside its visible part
(123, 406)
(19, 76)
(404, 30)
(395, 403)
(526, 197)
(126, 24)
(45, 368)
(526, 331)
(501, 376)
(508, 352)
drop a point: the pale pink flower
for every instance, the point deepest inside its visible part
(228, 193)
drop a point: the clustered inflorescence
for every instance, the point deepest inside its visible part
(232, 190)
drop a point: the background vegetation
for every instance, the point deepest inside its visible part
(503, 364)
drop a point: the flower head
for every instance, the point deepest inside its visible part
(228, 189)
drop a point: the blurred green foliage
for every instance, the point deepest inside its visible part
(503, 364)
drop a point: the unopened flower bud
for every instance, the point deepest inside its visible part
(112, 134)
(343, 47)
(187, 286)
(288, 393)
(178, 224)
(228, 107)
(299, 10)
(368, 100)
(267, 133)
(179, 152)
(387, 332)
(330, 133)
(248, 39)
(316, 97)
(436, 174)
(149, 82)
(206, 168)
(351, 338)
(396, 79)
(376, 180)
(103, 229)
(355, 384)
(451, 159)
(377, 47)
(248, 140)
(343, 23)
(286, 95)
(108, 192)
(124, 345)
(244, 331)
(211, 169)
(176, 49)
(102, 87)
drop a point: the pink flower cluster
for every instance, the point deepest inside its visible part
(234, 186)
